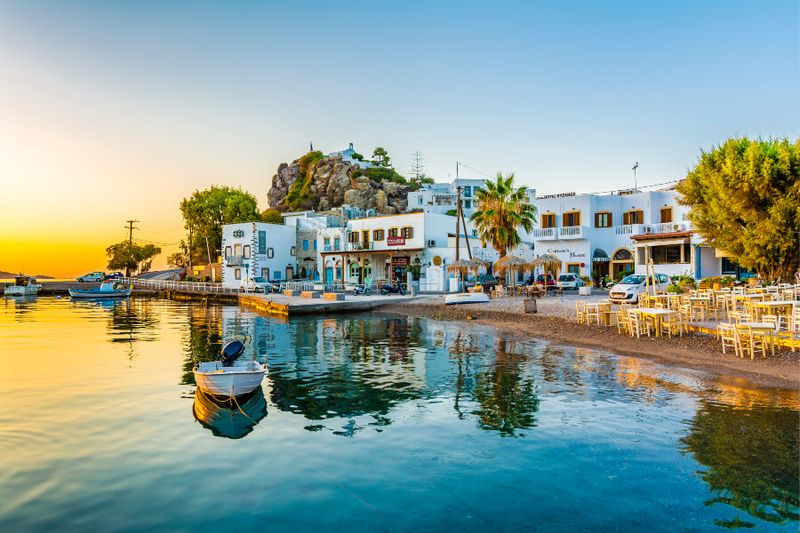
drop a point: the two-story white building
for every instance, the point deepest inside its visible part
(441, 197)
(385, 248)
(257, 249)
(609, 234)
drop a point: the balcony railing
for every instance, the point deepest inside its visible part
(331, 248)
(571, 232)
(629, 229)
(670, 227)
(235, 260)
(544, 233)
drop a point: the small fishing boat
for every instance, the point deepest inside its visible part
(23, 286)
(108, 289)
(223, 378)
(466, 298)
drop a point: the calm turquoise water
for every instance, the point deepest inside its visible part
(370, 422)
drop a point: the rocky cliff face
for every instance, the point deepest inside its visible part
(322, 183)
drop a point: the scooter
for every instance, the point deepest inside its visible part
(393, 289)
(362, 289)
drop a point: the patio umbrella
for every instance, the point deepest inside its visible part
(461, 266)
(548, 262)
(512, 263)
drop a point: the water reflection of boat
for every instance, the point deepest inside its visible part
(232, 418)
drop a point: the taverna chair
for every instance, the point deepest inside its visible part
(729, 337)
(751, 341)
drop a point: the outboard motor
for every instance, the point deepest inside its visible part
(231, 352)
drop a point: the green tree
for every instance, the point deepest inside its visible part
(205, 212)
(272, 216)
(381, 157)
(131, 257)
(180, 259)
(502, 210)
(745, 199)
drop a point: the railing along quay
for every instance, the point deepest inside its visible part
(199, 287)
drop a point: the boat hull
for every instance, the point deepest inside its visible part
(230, 382)
(466, 298)
(93, 293)
(22, 291)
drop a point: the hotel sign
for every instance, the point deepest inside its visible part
(395, 241)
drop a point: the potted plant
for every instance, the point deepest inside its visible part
(586, 288)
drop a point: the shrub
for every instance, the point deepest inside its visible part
(383, 174)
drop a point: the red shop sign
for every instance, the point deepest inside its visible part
(395, 241)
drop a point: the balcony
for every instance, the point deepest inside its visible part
(670, 227)
(331, 247)
(235, 260)
(570, 232)
(545, 234)
(630, 229)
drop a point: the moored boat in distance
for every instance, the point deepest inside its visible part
(108, 289)
(23, 286)
(223, 378)
(466, 298)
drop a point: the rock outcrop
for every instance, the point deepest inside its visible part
(322, 183)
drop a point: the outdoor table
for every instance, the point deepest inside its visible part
(658, 297)
(656, 314)
(775, 305)
(763, 327)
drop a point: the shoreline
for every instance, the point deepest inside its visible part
(692, 351)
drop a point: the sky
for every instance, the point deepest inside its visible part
(117, 110)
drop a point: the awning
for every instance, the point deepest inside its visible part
(661, 242)
(599, 256)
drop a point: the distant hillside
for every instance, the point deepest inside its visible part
(10, 275)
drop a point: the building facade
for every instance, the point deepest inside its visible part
(611, 234)
(257, 249)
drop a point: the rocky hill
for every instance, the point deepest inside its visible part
(320, 182)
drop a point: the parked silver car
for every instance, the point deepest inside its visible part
(92, 276)
(631, 286)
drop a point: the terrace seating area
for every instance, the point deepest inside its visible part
(749, 321)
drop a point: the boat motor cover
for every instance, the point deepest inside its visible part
(231, 352)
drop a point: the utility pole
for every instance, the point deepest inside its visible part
(458, 215)
(131, 227)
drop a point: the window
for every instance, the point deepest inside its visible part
(237, 273)
(265, 273)
(237, 250)
(276, 275)
(352, 237)
(326, 241)
(549, 220)
(392, 232)
(670, 254)
(407, 232)
(247, 251)
(305, 245)
(262, 243)
(574, 268)
(467, 192)
(635, 216)
(315, 245)
(377, 235)
(270, 252)
(419, 200)
(571, 218)
(227, 252)
(293, 251)
(336, 243)
(475, 233)
(602, 220)
(666, 214)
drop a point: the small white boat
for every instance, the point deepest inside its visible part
(223, 378)
(466, 298)
(108, 289)
(23, 286)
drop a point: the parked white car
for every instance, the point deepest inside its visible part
(92, 276)
(257, 284)
(569, 280)
(631, 286)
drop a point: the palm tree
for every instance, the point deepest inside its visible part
(502, 209)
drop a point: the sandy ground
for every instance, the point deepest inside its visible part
(555, 320)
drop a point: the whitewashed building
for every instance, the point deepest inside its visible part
(606, 234)
(441, 197)
(257, 249)
(384, 248)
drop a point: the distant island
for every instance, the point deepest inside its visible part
(11, 275)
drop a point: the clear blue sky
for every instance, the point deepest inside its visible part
(178, 95)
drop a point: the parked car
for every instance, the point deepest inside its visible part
(113, 275)
(257, 284)
(543, 279)
(631, 286)
(569, 280)
(486, 281)
(92, 276)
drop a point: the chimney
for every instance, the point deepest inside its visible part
(351, 146)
